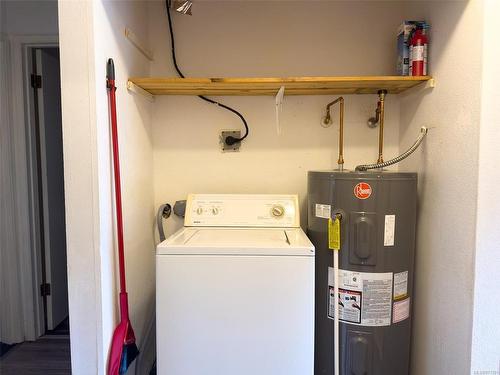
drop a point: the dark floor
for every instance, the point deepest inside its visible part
(61, 329)
(49, 355)
(4, 348)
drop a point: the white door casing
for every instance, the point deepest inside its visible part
(22, 140)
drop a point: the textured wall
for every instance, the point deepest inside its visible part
(80, 186)
(90, 33)
(29, 17)
(447, 166)
(486, 326)
(136, 161)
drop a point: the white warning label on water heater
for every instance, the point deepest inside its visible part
(389, 228)
(400, 285)
(349, 305)
(364, 298)
(323, 211)
(401, 310)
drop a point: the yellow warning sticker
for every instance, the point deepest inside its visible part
(334, 234)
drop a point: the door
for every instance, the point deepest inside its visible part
(47, 86)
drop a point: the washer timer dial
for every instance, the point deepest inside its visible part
(278, 211)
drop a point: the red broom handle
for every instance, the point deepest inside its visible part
(110, 83)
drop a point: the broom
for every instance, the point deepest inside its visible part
(123, 348)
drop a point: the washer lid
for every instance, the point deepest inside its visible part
(238, 241)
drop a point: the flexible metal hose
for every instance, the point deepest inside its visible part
(365, 167)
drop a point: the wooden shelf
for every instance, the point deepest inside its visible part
(270, 86)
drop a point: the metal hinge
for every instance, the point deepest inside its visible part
(36, 81)
(45, 289)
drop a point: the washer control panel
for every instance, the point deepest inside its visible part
(242, 210)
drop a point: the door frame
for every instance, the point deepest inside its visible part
(40, 207)
(27, 220)
(37, 178)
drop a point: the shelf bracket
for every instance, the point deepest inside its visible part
(430, 84)
(133, 88)
(279, 107)
(138, 43)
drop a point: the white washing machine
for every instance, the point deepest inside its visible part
(235, 289)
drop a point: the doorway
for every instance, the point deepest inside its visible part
(48, 349)
(47, 175)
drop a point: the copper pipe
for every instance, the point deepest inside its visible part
(340, 100)
(381, 95)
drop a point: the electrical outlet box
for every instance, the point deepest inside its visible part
(230, 148)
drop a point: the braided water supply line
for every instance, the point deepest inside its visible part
(423, 133)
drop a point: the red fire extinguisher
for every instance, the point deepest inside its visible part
(418, 52)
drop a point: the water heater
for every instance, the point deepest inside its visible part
(377, 212)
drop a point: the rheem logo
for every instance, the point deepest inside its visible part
(362, 190)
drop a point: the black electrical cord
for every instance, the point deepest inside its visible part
(230, 140)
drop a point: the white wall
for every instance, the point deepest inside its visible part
(447, 166)
(136, 159)
(81, 185)
(267, 39)
(11, 308)
(90, 33)
(486, 325)
(29, 17)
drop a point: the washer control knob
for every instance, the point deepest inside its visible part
(278, 210)
(199, 210)
(215, 210)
